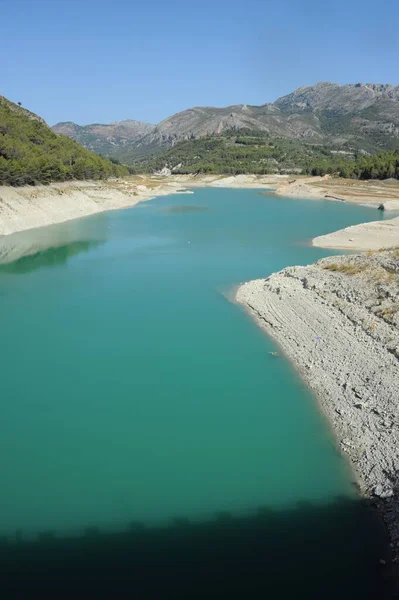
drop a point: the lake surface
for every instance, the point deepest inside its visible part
(133, 390)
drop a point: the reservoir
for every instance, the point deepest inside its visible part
(136, 393)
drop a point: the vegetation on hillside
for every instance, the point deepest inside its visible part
(383, 165)
(246, 151)
(30, 152)
(234, 152)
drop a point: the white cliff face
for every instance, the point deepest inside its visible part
(28, 207)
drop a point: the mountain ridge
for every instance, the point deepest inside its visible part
(358, 116)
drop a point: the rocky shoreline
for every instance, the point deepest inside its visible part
(338, 322)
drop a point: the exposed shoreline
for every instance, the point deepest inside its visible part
(337, 321)
(37, 206)
(373, 193)
(29, 207)
(365, 236)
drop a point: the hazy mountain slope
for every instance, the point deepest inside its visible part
(30, 152)
(109, 140)
(355, 115)
(334, 97)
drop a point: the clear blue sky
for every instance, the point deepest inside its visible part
(87, 61)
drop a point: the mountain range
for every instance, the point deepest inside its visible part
(347, 118)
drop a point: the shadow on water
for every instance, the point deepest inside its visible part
(27, 251)
(311, 551)
(184, 209)
(46, 258)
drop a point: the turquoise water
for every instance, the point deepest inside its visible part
(138, 401)
(134, 390)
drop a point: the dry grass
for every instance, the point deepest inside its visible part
(375, 273)
(380, 276)
(388, 312)
(390, 276)
(343, 268)
(395, 252)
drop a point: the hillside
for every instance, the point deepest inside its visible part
(115, 139)
(382, 165)
(30, 152)
(243, 151)
(347, 118)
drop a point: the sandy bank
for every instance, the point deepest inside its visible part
(366, 236)
(338, 321)
(366, 193)
(247, 181)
